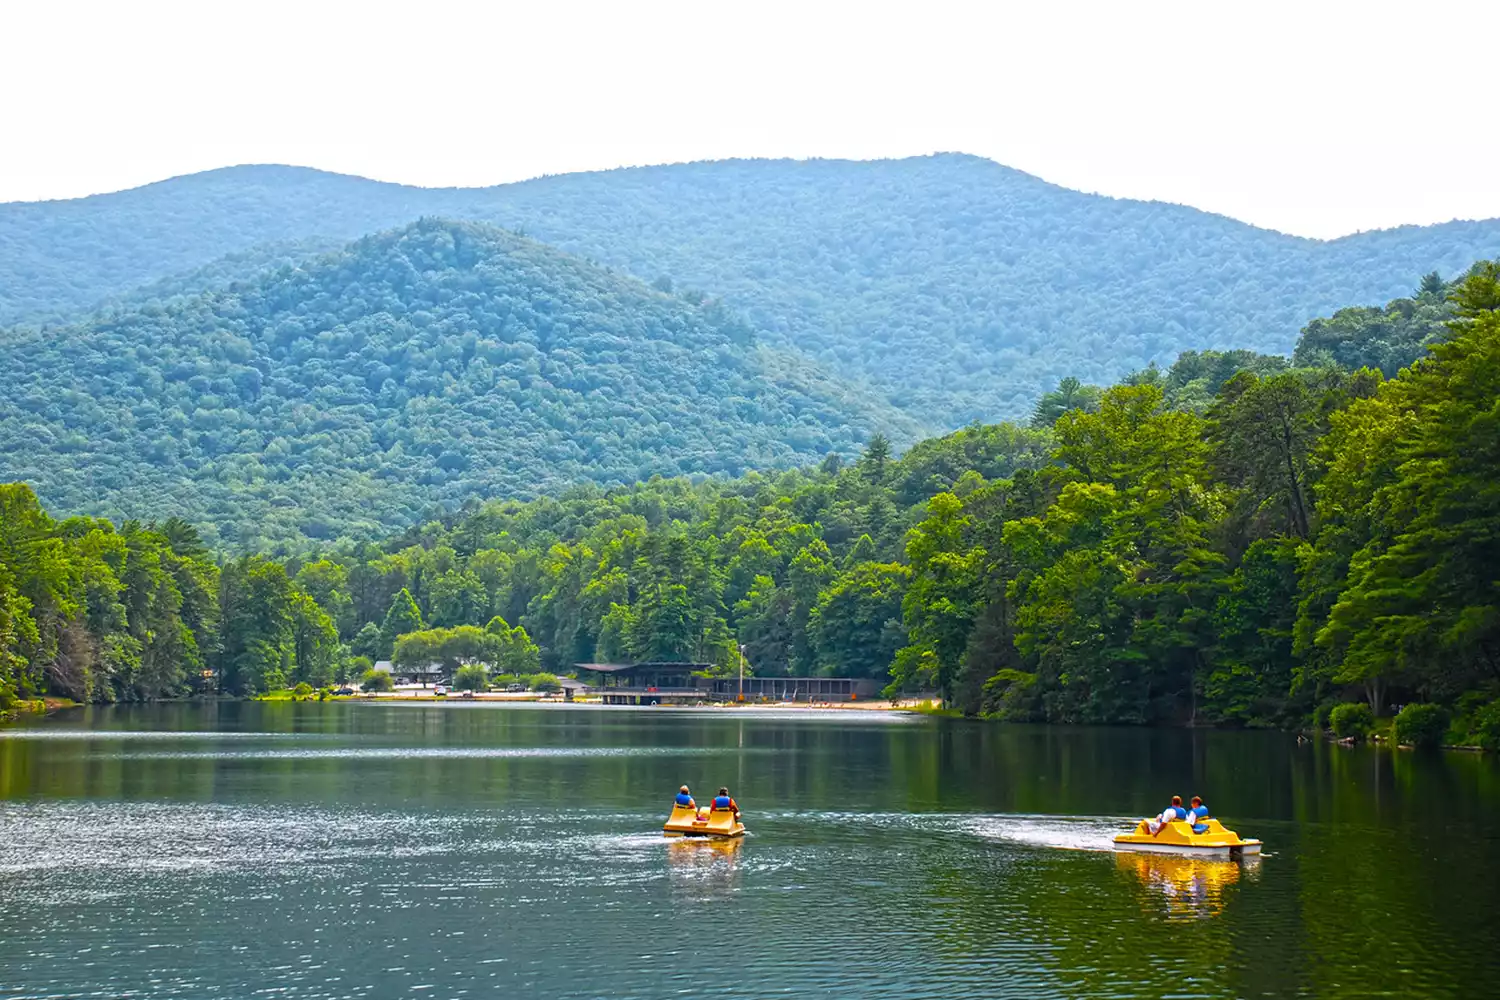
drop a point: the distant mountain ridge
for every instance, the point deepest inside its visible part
(436, 363)
(958, 287)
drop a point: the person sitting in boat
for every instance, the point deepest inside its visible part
(1197, 814)
(685, 798)
(1169, 814)
(722, 801)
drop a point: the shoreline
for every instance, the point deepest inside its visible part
(530, 697)
(49, 705)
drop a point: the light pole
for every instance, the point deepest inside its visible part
(742, 673)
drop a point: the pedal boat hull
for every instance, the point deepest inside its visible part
(1178, 838)
(716, 824)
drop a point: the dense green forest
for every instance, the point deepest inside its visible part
(1388, 338)
(959, 288)
(348, 394)
(1235, 540)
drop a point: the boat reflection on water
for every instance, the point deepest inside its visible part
(1187, 887)
(704, 868)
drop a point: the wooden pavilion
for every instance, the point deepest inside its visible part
(683, 684)
(647, 683)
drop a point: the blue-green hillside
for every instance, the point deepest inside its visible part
(435, 363)
(960, 288)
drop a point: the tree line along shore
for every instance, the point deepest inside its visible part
(1238, 540)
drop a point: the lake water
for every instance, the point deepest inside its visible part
(361, 850)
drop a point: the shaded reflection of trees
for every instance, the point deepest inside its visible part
(1395, 870)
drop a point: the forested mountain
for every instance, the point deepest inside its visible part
(438, 362)
(1276, 545)
(960, 288)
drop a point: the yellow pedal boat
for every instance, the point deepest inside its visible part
(720, 824)
(1178, 837)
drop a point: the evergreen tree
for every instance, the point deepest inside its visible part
(1070, 394)
(401, 617)
(876, 458)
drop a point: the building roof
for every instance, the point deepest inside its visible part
(386, 667)
(619, 668)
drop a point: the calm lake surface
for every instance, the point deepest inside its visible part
(360, 850)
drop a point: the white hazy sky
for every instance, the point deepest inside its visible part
(1316, 118)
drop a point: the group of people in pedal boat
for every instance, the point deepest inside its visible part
(1195, 814)
(721, 803)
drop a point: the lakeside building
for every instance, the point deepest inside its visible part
(424, 674)
(572, 688)
(682, 684)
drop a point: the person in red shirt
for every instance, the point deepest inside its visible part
(722, 801)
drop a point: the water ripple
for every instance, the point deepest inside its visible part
(212, 869)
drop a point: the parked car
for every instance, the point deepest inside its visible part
(344, 691)
(438, 691)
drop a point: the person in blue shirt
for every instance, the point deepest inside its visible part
(685, 798)
(722, 801)
(1197, 814)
